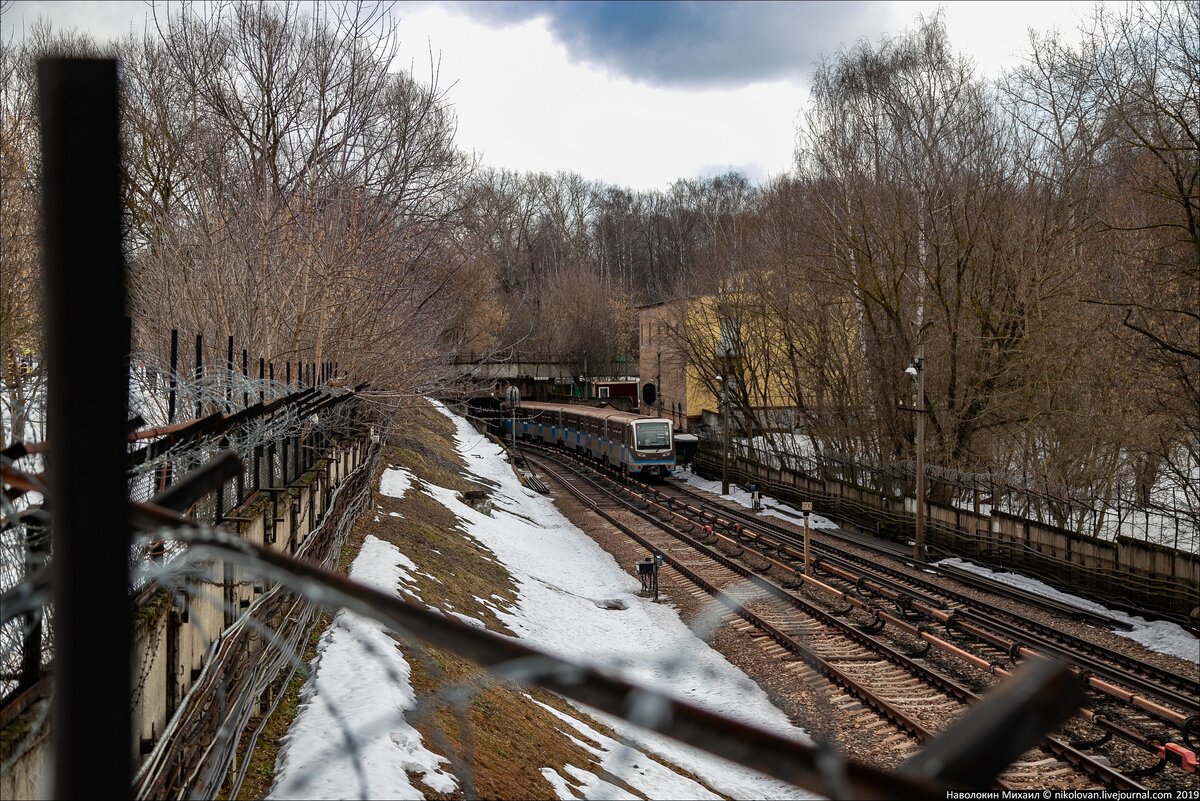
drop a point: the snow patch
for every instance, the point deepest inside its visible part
(350, 738)
(564, 578)
(770, 506)
(639, 771)
(394, 482)
(1160, 636)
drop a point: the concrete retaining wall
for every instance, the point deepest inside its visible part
(1124, 572)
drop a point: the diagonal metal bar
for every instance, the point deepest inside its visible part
(199, 482)
(1011, 719)
(789, 760)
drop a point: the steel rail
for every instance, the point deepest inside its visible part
(810, 657)
(1013, 648)
(978, 582)
(789, 760)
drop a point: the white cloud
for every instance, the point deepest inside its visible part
(525, 106)
(991, 32)
(103, 20)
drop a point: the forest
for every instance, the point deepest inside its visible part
(1036, 235)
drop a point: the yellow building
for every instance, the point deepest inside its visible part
(664, 364)
(692, 348)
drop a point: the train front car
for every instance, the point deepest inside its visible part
(653, 451)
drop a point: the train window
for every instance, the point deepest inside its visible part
(651, 436)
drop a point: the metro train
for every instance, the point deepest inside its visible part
(636, 445)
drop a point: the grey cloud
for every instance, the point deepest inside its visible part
(697, 44)
(755, 173)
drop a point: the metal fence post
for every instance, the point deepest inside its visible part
(85, 301)
(199, 375)
(229, 377)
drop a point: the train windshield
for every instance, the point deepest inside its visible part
(653, 436)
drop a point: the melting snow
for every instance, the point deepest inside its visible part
(350, 738)
(639, 771)
(395, 481)
(561, 574)
(1157, 635)
(770, 506)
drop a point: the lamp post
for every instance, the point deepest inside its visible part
(723, 404)
(917, 371)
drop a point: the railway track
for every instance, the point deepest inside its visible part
(883, 690)
(1152, 679)
(1165, 696)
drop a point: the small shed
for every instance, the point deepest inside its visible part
(611, 388)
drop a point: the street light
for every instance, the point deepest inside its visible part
(916, 371)
(723, 408)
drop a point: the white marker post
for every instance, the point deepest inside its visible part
(806, 507)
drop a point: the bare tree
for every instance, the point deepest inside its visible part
(295, 193)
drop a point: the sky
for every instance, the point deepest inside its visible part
(637, 94)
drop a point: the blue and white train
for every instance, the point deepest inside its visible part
(636, 445)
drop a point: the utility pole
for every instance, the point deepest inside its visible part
(658, 381)
(919, 543)
(514, 399)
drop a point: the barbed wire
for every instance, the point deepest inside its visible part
(422, 629)
(258, 439)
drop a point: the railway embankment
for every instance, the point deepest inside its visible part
(468, 539)
(703, 534)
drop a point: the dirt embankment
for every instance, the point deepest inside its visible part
(494, 729)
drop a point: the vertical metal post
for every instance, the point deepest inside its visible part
(271, 443)
(658, 382)
(723, 403)
(229, 377)
(807, 550)
(85, 292)
(245, 380)
(919, 541)
(199, 375)
(174, 379)
(283, 462)
(37, 544)
(165, 476)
